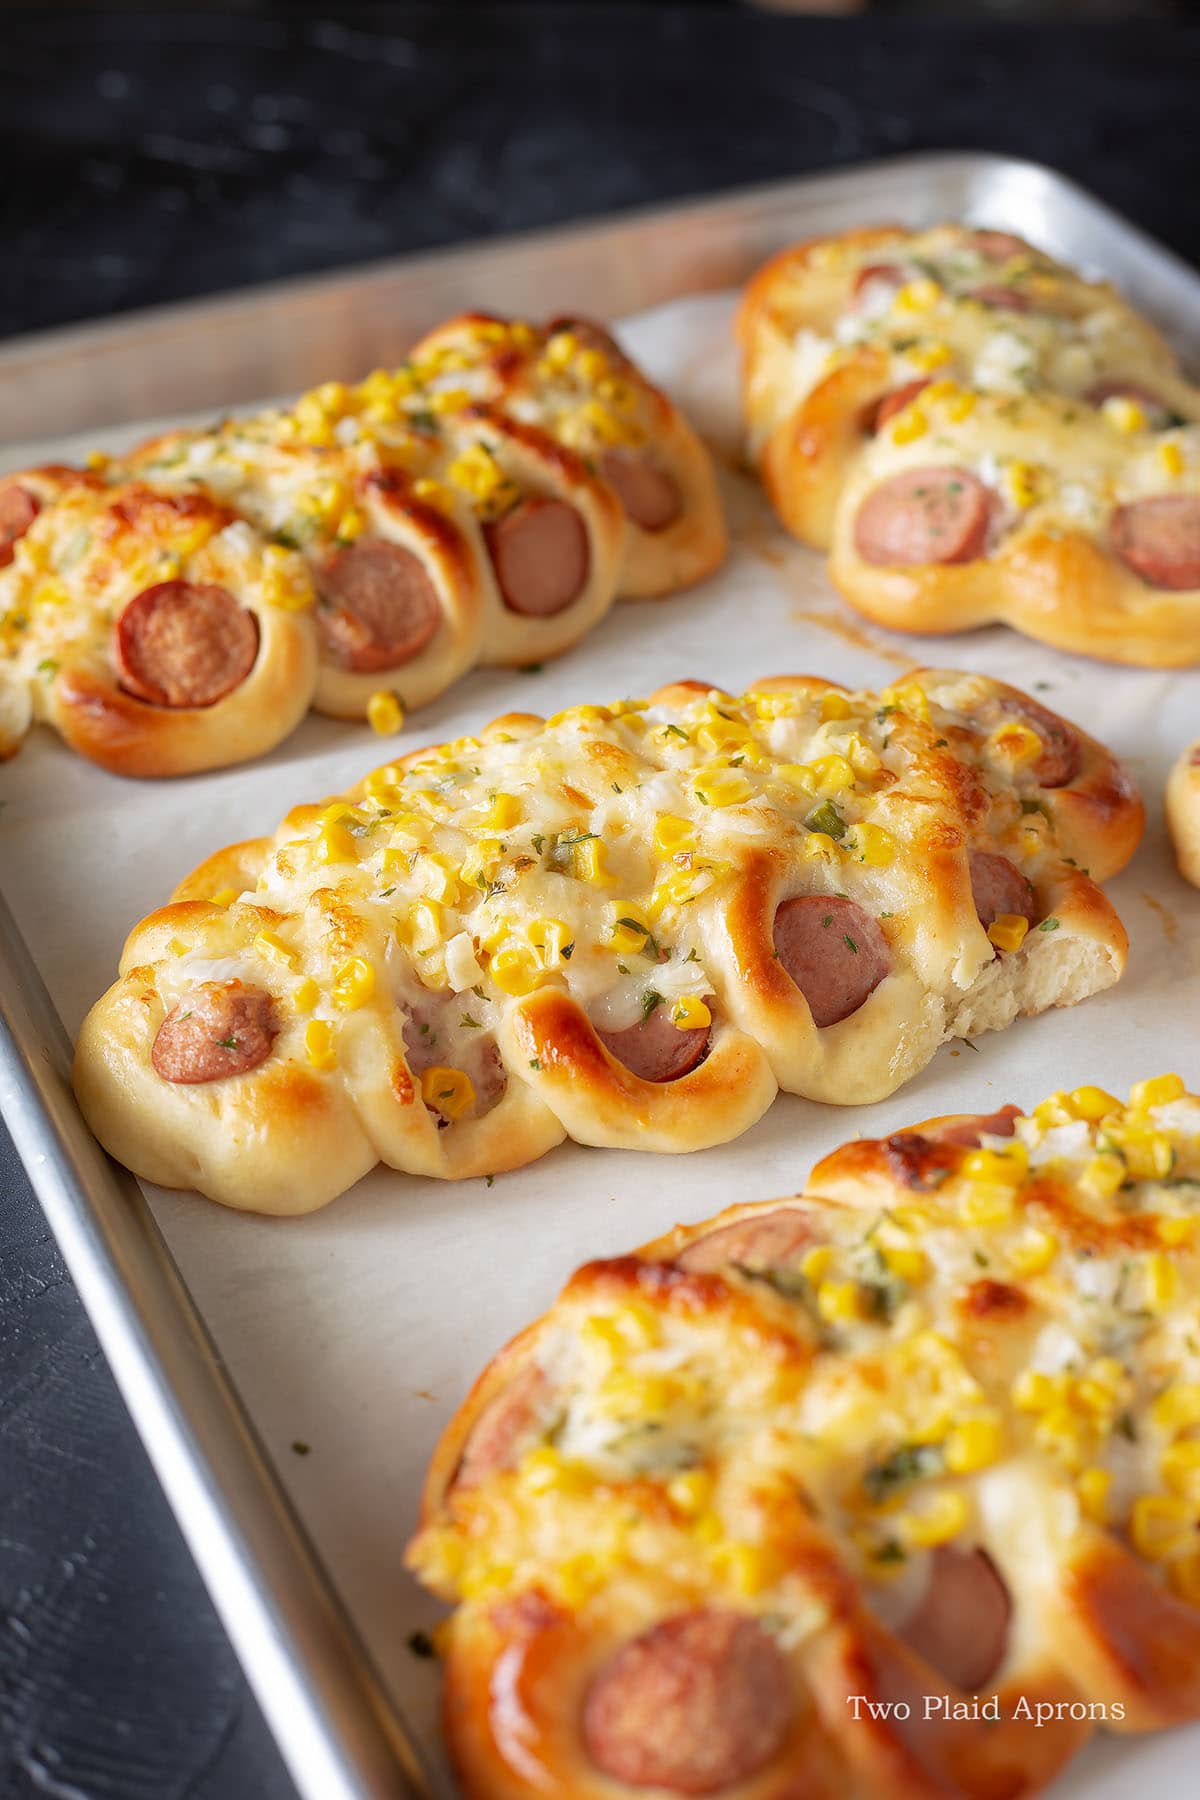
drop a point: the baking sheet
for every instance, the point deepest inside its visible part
(351, 1335)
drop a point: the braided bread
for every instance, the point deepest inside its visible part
(629, 925)
(484, 503)
(158, 633)
(887, 1489)
(975, 433)
(1183, 812)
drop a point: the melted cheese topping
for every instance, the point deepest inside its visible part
(984, 1334)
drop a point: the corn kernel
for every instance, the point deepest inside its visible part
(1180, 1467)
(272, 948)
(691, 1491)
(304, 995)
(719, 733)
(905, 1262)
(1035, 1391)
(748, 1568)
(516, 970)
(910, 424)
(353, 984)
(1160, 1090)
(721, 787)
(560, 349)
(1063, 1434)
(708, 1528)
(1176, 1229)
(224, 896)
(504, 812)
(935, 1524)
(987, 1203)
(579, 1577)
(929, 356)
(1008, 931)
(672, 835)
(908, 698)
(817, 1262)
(918, 296)
(590, 861)
(448, 1091)
(629, 930)
(1051, 1112)
(1091, 1103)
(335, 844)
(1102, 1176)
(421, 930)
(1024, 483)
(689, 1013)
(1183, 1574)
(1159, 1523)
(1123, 414)
(830, 775)
(551, 940)
(1033, 1253)
(385, 714)
(839, 1301)
(319, 1044)
(544, 1469)
(960, 408)
(975, 1444)
(1177, 1408)
(1162, 1280)
(1016, 742)
(1092, 1486)
(835, 706)
(871, 844)
(1170, 456)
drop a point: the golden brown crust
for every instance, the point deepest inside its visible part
(681, 1436)
(1183, 812)
(568, 927)
(1011, 393)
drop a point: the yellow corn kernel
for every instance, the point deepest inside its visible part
(1063, 1434)
(910, 424)
(272, 948)
(97, 460)
(929, 356)
(544, 1469)
(839, 1301)
(987, 1203)
(1162, 1280)
(1017, 743)
(719, 733)
(1170, 456)
(673, 835)
(579, 1577)
(1176, 1229)
(477, 865)
(906, 1262)
(721, 787)
(835, 706)
(1033, 1254)
(1160, 1090)
(335, 844)
(305, 995)
(448, 1091)
(817, 1262)
(918, 296)
(1008, 931)
(629, 928)
(627, 1396)
(960, 408)
(773, 706)
(691, 1491)
(516, 970)
(908, 698)
(1034, 1391)
(353, 984)
(551, 940)
(689, 1013)
(1180, 1467)
(561, 349)
(1009, 1164)
(1024, 482)
(590, 862)
(483, 1580)
(1183, 1574)
(975, 1444)
(1102, 1177)
(1051, 1112)
(448, 400)
(503, 813)
(872, 845)
(1159, 1523)
(1096, 1396)
(1092, 1486)
(1091, 1103)
(1123, 414)
(433, 493)
(819, 844)
(1177, 1408)
(319, 1044)
(935, 1524)
(1150, 1158)
(224, 896)
(748, 1568)
(830, 775)
(708, 1529)
(421, 930)
(385, 713)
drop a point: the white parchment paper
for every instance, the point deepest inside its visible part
(358, 1330)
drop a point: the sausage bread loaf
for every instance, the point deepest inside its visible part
(976, 433)
(630, 925)
(159, 633)
(887, 1489)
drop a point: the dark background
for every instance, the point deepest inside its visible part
(151, 154)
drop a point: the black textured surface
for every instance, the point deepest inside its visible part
(152, 156)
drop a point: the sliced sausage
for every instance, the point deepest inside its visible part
(179, 644)
(766, 1242)
(1061, 752)
(696, 1704)
(219, 1029)
(878, 415)
(998, 246)
(1158, 413)
(886, 274)
(1159, 539)
(924, 516)
(511, 1416)
(970, 1130)
(378, 607)
(1010, 299)
(18, 509)
(961, 1625)
(656, 1050)
(648, 493)
(540, 554)
(834, 952)
(998, 886)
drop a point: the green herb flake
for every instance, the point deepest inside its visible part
(1050, 924)
(650, 999)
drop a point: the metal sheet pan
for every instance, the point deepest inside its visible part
(335, 1719)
